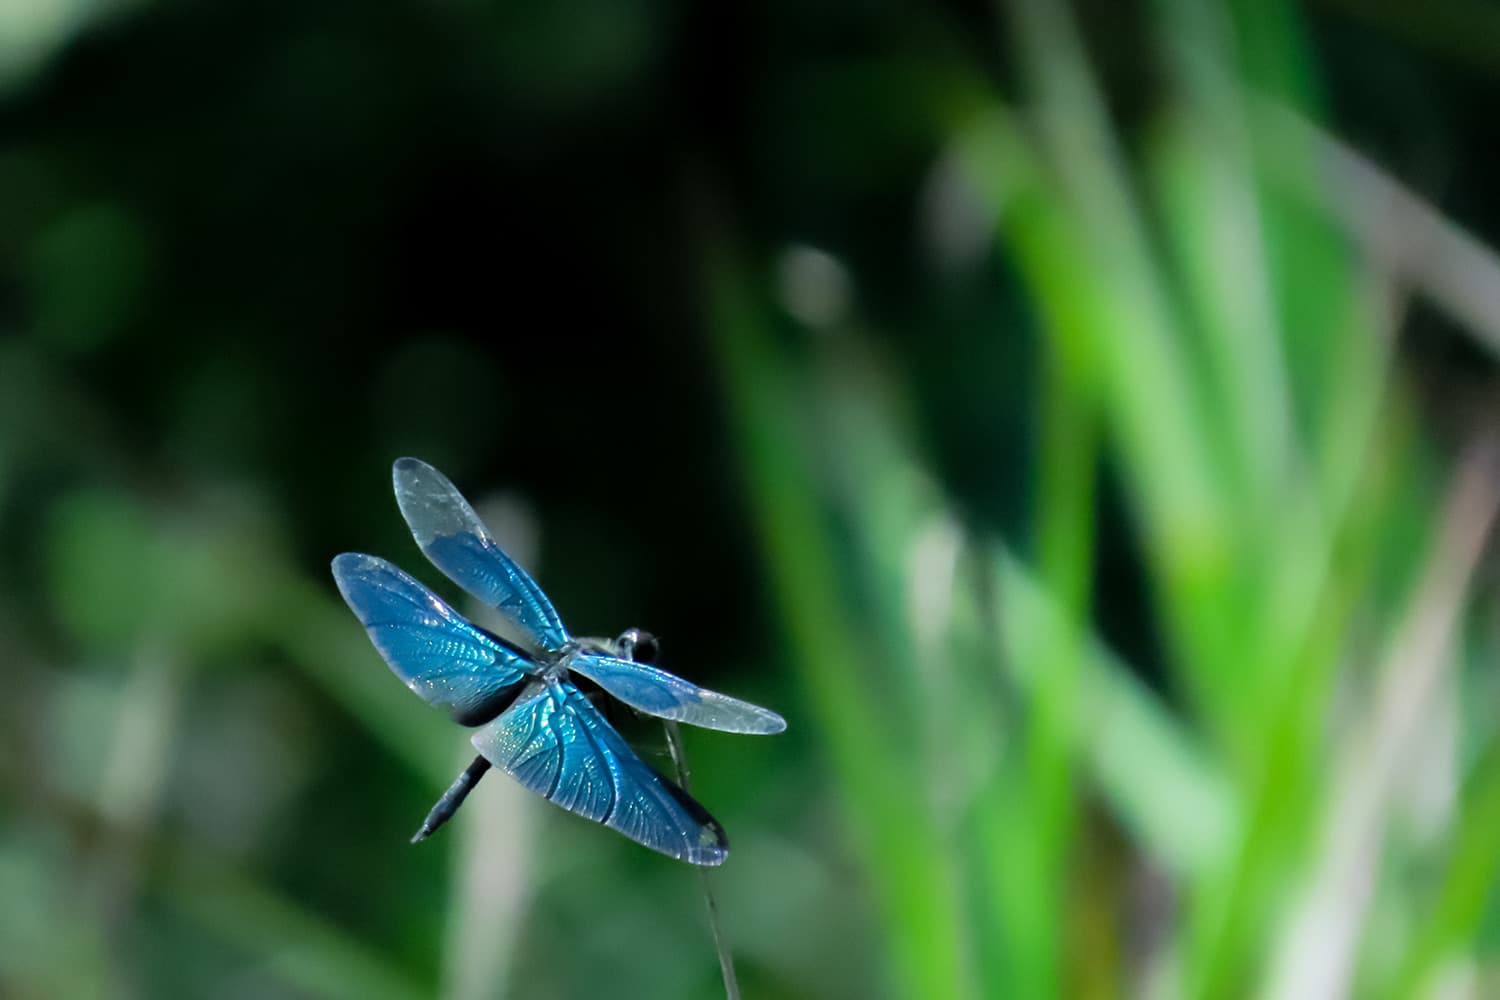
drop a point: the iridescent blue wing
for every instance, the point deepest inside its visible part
(554, 742)
(430, 646)
(668, 696)
(453, 537)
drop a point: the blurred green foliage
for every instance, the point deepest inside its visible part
(1043, 406)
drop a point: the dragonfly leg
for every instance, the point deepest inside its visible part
(452, 799)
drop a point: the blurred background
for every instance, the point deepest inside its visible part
(1077, 420)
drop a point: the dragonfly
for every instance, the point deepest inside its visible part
(531, 719)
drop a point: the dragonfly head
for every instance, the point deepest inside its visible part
(637, 644)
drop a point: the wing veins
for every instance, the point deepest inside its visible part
(562, 752)
(643, 804)
(533, 729)
(452, 536)
(607, 759)
(657, 789)
(430, 647)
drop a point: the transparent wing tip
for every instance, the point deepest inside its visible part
(731, 715)
(411, 475)
(407, 465)
(707, 857)
(770, 724)
(712, 846)
(347, 565)
(346, 561)
(430, 503)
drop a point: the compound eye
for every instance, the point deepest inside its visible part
(638, 645)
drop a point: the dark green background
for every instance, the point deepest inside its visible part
(252, 252)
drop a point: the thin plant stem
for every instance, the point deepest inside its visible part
(721, 943)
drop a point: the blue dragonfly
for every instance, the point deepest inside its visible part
(533, 721)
